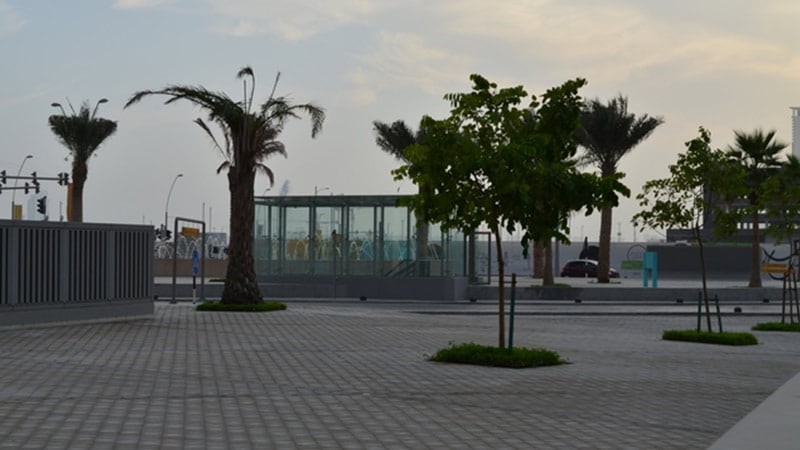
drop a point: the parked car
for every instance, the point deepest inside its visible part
(584, 268)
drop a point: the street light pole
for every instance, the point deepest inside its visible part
(318, 190)
(166, 207)
(14, 194)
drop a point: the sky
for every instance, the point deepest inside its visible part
(726, 65)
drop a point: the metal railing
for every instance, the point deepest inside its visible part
(57, 262)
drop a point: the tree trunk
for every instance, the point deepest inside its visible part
(501, 293)
(703, 273)
(755, 254)
(604, 252)
(538, 260)
(421, 252)
(241, 286)
(547, 279)
(80, 172)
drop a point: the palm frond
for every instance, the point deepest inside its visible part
(223, 166)
(224, 152)
(261, 168)
(395, 138)
(608, 131)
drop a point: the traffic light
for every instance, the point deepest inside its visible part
(168, 234)
(3, 177)
(41, 205)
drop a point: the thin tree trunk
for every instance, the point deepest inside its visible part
(755, 254)
(547, 279)
(703, 274)
(501, 294)
(538, 260)
(241, 286)
(80, 172)
(604, 252)
(421, 251)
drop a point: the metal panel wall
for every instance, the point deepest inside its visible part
(54, 262)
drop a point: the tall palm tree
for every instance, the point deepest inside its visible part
(394, 139)
(608, 132)
(757, 152)
(82, 133)
(250, 137)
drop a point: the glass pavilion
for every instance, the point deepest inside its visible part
(365, 235)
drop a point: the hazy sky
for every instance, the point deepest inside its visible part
(726, 65)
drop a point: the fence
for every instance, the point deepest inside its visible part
(56, 264)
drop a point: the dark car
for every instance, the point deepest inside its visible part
(584, 268)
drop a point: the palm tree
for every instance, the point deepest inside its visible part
(82, 133)
(394, 139)
(608, 132)
(758, 154)
(250, 137)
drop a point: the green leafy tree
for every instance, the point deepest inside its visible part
(757, 152)
(608, 132)
(554, 187)
(461, 164)
(680, 201)
(780, 200)
(490, 162)
(250, 137)
(82, 132)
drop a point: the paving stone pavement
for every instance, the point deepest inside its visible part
(355, 376)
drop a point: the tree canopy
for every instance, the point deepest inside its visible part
(505, 161)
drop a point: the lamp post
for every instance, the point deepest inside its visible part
(318, 190)
(166, 207)
(14, 194)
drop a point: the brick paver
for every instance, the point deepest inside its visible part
(355, 376)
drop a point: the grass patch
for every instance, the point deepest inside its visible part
(217, 280)
(777, 326)
(254, 307)
(707, 337)
(482, 355)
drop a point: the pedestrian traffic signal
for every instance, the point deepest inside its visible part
(41, 205)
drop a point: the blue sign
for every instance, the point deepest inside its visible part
(195, 262)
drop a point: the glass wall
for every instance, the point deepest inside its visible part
(351, 235)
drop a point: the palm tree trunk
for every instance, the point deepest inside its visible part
(604, 252)
(501, 294)
(755, 254)
(80, 172)
(241, 286)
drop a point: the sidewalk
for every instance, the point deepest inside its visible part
(354, 375)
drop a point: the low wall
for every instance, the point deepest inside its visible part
(446, 289)
(57, 271)
(215, 268)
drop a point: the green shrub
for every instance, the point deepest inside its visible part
(482, 355)
(777, 326)
(707, 337)
(252, 307)
(217, 280)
